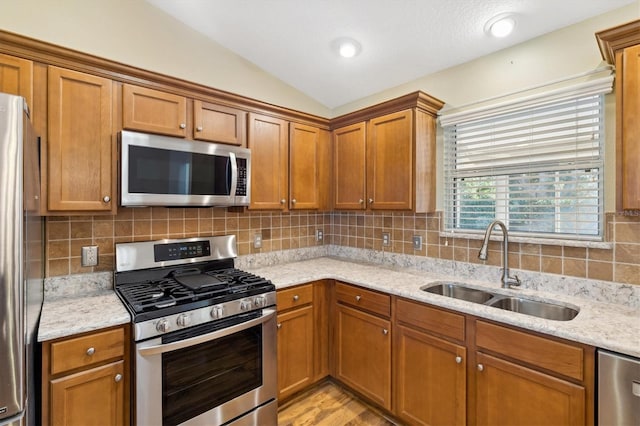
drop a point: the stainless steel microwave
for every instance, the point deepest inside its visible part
(165, 171)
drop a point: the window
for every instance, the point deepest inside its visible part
(537, 167)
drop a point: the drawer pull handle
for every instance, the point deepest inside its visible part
(358, 298)
(480, 367)
(458, 360)
(296, 298)
(118, 377)
(91, 351)
(385, 331)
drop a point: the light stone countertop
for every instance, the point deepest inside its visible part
(609, 315)
(69, 315)
(605, 325)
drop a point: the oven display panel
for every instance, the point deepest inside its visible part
(175, 251)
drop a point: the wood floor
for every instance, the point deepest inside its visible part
(329, 405)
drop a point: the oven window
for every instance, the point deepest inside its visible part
(198, 378)
(162, 171)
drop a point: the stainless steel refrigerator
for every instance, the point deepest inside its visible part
(21, 262)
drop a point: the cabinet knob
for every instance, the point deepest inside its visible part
(296, 298)
(118, 377)
(358, 298)
(480, 367)
(106, 199)
(279, 325)
(293, 201)
(385, 331)
(183, 126)
(91, 351)
(361, 201)
(283, 201)
(370, 200)
(458, 360)
(199, 129)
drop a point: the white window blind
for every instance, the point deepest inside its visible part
(538, 168)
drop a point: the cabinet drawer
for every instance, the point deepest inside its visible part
(295, 296)
(561, 358)
(431, 319)
(365, 299)
(87, 350)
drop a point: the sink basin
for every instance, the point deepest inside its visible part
(457, 291)
(544, 310)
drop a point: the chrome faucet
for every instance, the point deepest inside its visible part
(506, 280)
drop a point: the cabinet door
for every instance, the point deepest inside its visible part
(430, 379)
(295, 350)
(92, 397)
(363, 354)
(630, 155)
(390, 155)
(304, 185)
(217, 123)
(268, 141)
(81, 150)
(16, 77)
(153, 111)
(349, 159)
(509, 394)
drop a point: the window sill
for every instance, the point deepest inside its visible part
(532, 240)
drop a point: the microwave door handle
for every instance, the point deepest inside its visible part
(160, 349)
(234, 174)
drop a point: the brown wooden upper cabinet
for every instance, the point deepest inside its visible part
(290, 165)
(218, 123)
(153, 111)
(81, 150)
(16, 77)
(386, 163)
(621, 46)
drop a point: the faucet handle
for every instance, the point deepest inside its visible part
(514, 281)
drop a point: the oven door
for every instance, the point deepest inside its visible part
(210, 374)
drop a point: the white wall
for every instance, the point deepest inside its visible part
(135, 33)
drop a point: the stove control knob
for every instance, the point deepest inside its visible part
(260, 301)
(245, 305)
(183, 320)
(217, 312)
(163, 326)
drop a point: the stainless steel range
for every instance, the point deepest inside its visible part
(205, 333)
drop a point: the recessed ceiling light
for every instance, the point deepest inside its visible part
(346, 47)
(500, 25)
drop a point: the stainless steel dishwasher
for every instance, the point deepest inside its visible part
(618, 389)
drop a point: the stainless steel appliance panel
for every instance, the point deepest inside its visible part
(618, 389)
(21, 261)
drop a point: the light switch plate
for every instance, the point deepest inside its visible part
(89, 256)
(257, 241)
(417, 242)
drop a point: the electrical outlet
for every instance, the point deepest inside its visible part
(319, 235)
(417, 242)
(386, 239)
(89, 256)
(257, 240)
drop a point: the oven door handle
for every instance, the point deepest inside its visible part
(180, 344)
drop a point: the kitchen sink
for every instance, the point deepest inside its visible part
(535, 308)
(522, 305)
(458, 291)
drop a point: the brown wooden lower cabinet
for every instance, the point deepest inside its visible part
(430, 379)
(85, 379)
(362, 353)
(510, 394)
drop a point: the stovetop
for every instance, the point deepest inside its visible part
(154, 297)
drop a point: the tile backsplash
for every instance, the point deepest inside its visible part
(282, 231)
